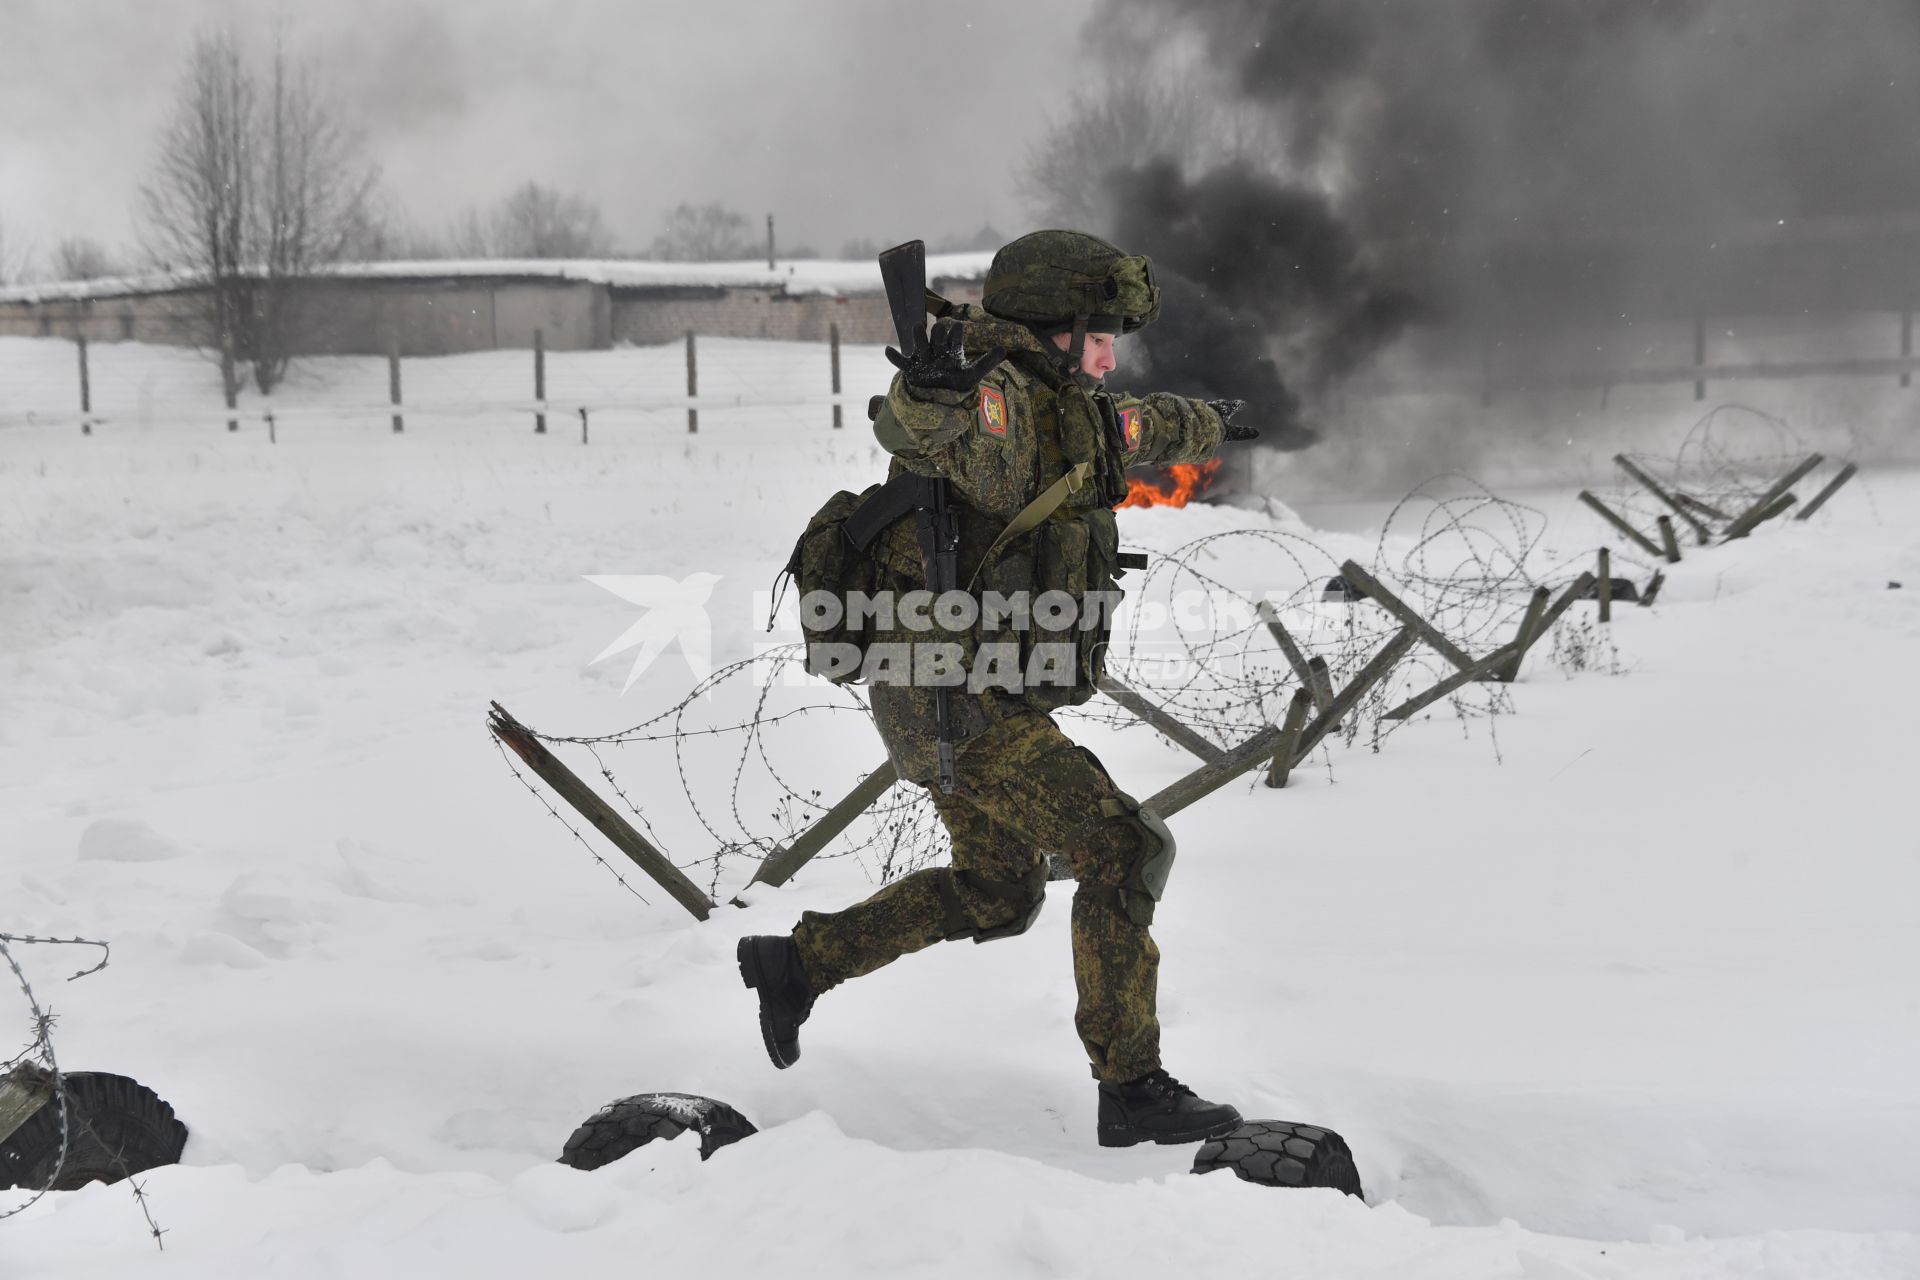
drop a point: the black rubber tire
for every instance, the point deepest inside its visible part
(621, 1127)
(1276, 1153)
(115, 1127)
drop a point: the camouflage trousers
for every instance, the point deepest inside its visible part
(1024, 790)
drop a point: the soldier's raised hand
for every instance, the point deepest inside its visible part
(942, 363)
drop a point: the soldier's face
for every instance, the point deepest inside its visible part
(1096, 357)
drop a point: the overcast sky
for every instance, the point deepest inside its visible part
(879, 118)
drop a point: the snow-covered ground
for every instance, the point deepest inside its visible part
(1623, 989)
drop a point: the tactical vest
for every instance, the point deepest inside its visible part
(1072, 544)
(1066, 540)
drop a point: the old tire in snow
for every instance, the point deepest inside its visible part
(620, 1127)
(1275, 1153)
(115, 1127)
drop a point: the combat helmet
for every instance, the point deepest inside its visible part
(1056, 281)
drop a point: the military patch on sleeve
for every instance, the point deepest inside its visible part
(1130, 426)
(993, 411)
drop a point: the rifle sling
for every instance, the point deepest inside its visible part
(1036, 511)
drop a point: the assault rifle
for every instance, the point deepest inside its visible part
(903, 270)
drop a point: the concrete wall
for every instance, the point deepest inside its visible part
(440, 317)
(353, 317)
(171, 319)
(460, 313)
(666, 314)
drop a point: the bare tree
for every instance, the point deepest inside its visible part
(539, 222)
(471, 236)
(533, 221)
(313, 201)
(83, 258)
(705, 233)
(258, 185)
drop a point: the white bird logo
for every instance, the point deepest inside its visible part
(675, 610)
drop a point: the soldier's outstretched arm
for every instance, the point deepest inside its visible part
(1165, 428)
(981, 439)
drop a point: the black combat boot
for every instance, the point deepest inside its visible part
(770, 964)
(1158, 1108)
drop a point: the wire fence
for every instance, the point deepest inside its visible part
(109, 387)
(1285, 616)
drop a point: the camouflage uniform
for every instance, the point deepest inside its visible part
(1024, 789)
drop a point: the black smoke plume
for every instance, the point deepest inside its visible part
(1251, 272)
(1513, 167)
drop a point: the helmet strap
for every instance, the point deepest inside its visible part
(1077, 346)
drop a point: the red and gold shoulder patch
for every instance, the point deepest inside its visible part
(1130, 426)
(993, 411)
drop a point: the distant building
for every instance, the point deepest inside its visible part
(439, 308)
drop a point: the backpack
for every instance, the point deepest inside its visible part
(852, 544)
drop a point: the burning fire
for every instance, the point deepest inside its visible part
(1187, 479)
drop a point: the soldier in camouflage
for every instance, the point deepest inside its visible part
(1006, 401)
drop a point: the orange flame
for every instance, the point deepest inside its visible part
(1189, 480)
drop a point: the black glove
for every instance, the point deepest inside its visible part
(942, 363)
(1226, 409)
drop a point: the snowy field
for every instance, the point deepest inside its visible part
(1622, 984)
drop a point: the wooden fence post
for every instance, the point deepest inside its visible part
(1652, 592)
(540, 381)
(1358, 577)
(1316, 683)
(693, 386)
(1668, 542)
(833, 355)
(1495, 661)
(1523, 638)
(1605, 585)
(1706, 509)
(602, 815)
(1833, 487)
(1768, 504)
(1647, 482)
(1157, 716)
(393, 385)
(1778, 507)
(229, 381)
(1320, 680)
(1281, 767)
(86, 390)
(1530, 636)
(1258, 749)
(1626, 530)
(778, 867)
(583, 424)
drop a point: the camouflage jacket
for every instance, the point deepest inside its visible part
(1002, 445)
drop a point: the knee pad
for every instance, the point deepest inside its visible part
(1146, 879)
(1026, 896)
